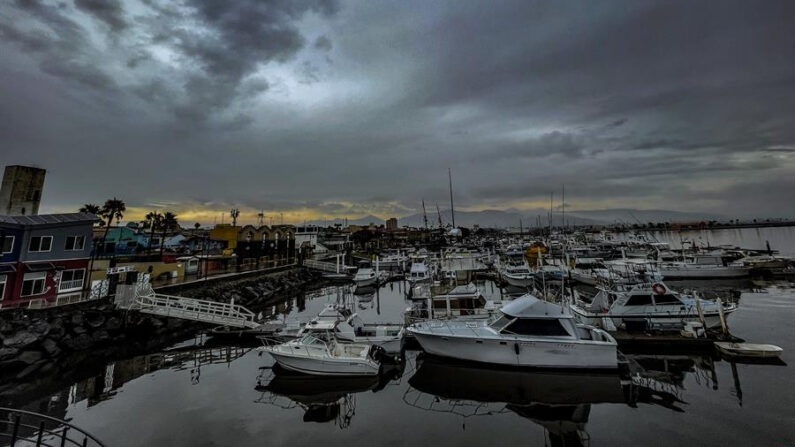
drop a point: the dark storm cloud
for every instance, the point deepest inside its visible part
(669, 104)
(110, 12)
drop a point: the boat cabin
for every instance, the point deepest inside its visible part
(530, 316)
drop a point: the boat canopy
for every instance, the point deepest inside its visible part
(529, 306)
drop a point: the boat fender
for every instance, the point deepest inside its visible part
(658, 289)
(516, 348)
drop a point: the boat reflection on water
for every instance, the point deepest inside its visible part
(560, 402)
(323, 398)
(659, 379)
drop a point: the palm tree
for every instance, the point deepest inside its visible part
(113, 209)
(170, 223)
(94, 209)
(197, 225)
(153, 221)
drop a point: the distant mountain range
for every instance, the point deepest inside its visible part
(531, 218)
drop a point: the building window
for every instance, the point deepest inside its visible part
(74, 243)
(40, 243)
(33, 284)
(8, 244)
(71, 280)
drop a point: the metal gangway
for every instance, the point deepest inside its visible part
(329, 267)
(143, 298)
(206, 311)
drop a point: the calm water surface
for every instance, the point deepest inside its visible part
(205, 395)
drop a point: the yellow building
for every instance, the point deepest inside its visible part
(225, 232)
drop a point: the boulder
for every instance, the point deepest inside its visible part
(81, 342)
(101, 335)
(77, 319)
(51, 347)
(30, 357)
(79, 330)
(7, 353)
(95, 320)
(39, 327)
(30, 370)
(6, 327)
(20, 339)
(113, 324)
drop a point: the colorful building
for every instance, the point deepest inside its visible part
(44, 256)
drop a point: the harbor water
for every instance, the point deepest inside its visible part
(209, 393)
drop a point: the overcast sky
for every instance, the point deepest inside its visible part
(315, 108)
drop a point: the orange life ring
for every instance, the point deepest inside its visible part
(658, 289)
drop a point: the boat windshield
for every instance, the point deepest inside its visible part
(666, 299)
(309, 339)
(536, 326)
(501, 323)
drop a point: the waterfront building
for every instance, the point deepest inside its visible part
(125, 240)
(44, 256)
(20, 193)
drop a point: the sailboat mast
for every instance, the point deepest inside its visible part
(551, 196)
(452, 208)
(424, 214)
(439, 213)
(563, 205)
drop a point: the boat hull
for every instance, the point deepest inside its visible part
(519, 281)
(326, 366)
(712, 319)
(521, 353)
(704, 273)
(364, 282)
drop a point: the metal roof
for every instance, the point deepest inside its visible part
(529, 306)
(49, 219)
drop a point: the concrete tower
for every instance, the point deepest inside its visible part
(20, 193)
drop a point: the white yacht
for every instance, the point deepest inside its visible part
(589, 271)
(703, 267)
(464, 302)
(365, 276)
(518, 275)
(348, 327)
(419, 272)
(312, 355)
(652, 306)
(530, 333)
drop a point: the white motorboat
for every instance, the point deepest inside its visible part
(419, 272)
(518, 275)
(653, 306)
(365, 277)
(461, 302)
(748, 350)
(703, 267)
(530, 333)
(589, 271)
(312, 355)
(348, 327)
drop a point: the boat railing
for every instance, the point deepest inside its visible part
(21, 427)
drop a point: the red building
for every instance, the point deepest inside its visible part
(44, 256)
